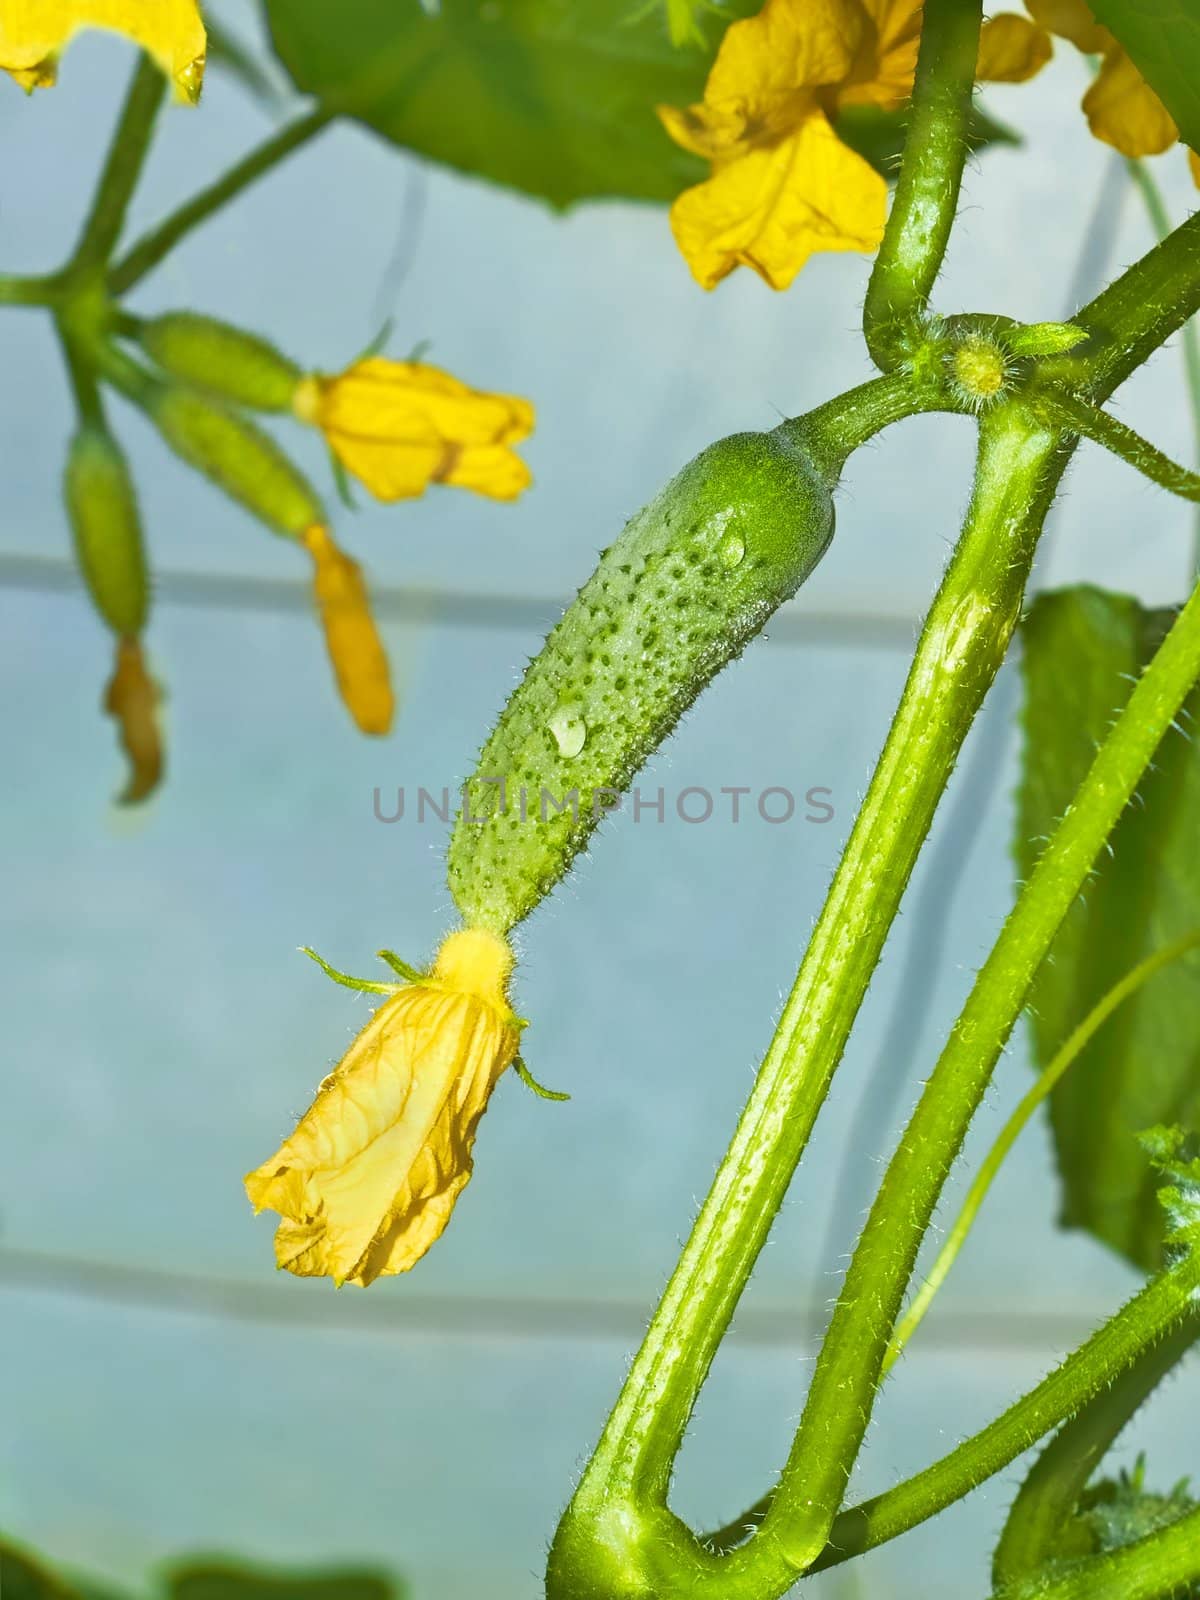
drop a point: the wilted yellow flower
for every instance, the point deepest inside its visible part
(131, 699)
(783, 185)
(1121, 107)
(399, 426)
(369, 1178)
(360, 662)
(33, 34)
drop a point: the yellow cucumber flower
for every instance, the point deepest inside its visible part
(1121, 107)
(399, 426)
(34, 33)
(131, 699)
(369, 1178)
(783, 185)
(360, 663)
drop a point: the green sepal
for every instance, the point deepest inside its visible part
(1044, 338)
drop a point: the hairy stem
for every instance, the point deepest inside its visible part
(145, 255)
(1051, 1491)
(1059, 409)
(1163, 1566)
(926, 198)
(126, 156)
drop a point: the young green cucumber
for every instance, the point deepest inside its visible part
(692, 578)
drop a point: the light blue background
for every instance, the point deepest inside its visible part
(160, 1031)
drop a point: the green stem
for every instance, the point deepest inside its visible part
(850, 1364)
(620, 1504)
(1058, 409)
(1127, 322)
(145, 255)
(926, 198)
(1163, 1566)
(1152, 1315)
(1161, 223)
(21, 291)
(1050, 1494)
(1013, 1128)
(126, 156)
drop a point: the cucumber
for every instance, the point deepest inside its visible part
(693, 577)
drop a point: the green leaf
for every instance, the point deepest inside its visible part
(1083, 648)
(24, 1578)
(552, 97)
(221, 1580)
(1163, 38)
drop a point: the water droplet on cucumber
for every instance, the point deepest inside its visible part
(569, 729)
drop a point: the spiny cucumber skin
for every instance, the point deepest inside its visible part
(666, 608)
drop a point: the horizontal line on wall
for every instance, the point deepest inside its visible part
(393, 1309)
(460, 608)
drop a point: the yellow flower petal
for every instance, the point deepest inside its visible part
(886, 59)
(399, 426)
(356, 651)
(131, 699)
(33, 33)
(1072, 20)
(1012, 49)
(1124, 111)
(369, 1178)
(771, 209)
(763, 82)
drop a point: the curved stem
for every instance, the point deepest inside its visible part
(1163, 1566)
(961, 647)
(926, 198)
(1137, 1328)
(150, 250)
(126, 156)
(1063, 410)
(1051, 1491)
(1011, 1132)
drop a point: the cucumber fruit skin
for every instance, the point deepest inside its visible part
(691, 579)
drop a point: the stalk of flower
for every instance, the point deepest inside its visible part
(369, 1178)
(34, 33)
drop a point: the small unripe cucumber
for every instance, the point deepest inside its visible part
(102, 506)
(690, 580)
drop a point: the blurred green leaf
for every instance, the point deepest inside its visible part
(1163, 38)
(224, 1580)
(22, 1577)
(878, 135)
(1082, 650)
(552, 97)
(227, 52)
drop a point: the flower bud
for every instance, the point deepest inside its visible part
(238, 457)
(369, 1178)
(222, 359)
(102, 507)
(356, 651)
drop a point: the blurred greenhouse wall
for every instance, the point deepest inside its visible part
(164, 1391)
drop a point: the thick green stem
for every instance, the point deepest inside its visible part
(1051, 1491)
(145, 255)
(126, 155)
(1163, 1566)
(852, 1357)
(619, 1510)
(1136, 1330)
(1161, 223)
(926, 198)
